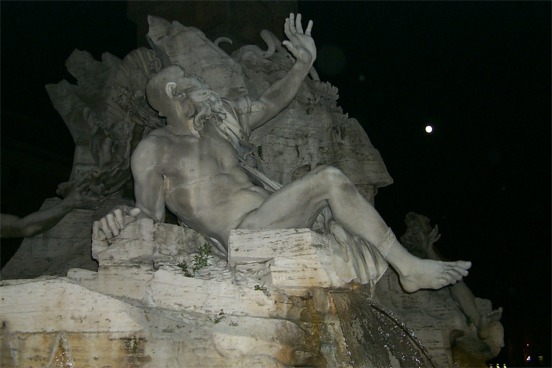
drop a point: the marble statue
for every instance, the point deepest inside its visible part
(191, 167)
(270, 250)
(484, 336)
(107, 114)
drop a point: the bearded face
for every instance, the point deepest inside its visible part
(208, 106)
(172, 85)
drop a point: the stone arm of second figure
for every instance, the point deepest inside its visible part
(279, 95)
(12, 226)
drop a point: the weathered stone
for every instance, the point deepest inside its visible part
(172, 290)
(302, 258)
(209, 323)
(122, 281)
(260, 246)
(266, 311)
(431, 315)
(57, 304)
(135, 246)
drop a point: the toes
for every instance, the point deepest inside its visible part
(451, 275)
(460, 267)
(445, 280)
(460, 272)
(456, 275)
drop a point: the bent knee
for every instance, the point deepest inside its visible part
(332, 182)
(331, 175)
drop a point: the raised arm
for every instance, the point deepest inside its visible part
(279, 95)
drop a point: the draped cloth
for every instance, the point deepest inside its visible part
(352, 258)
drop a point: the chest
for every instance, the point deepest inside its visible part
(196, 157)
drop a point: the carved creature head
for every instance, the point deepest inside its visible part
(415, 238)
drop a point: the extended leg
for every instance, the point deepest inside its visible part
(297, 204)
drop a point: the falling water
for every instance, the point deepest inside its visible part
(375, 337)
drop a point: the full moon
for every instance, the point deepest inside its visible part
(428, 129)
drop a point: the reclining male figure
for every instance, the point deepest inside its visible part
(190, 167)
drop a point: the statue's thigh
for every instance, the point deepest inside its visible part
(294, 206)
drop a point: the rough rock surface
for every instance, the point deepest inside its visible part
(160, 298)
(140, 309)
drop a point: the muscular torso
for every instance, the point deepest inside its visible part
(203, 184)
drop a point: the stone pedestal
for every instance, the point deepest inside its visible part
(140, 308)
(162, 298)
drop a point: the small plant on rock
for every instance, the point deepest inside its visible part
(201, 259)
(184, 267)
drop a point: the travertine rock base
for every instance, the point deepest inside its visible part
(276, 302)
(139, 309)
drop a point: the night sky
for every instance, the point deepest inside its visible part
(478, 72)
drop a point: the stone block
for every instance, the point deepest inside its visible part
(263, 245)
(171, 290)
(133, 246)
(299, 258)
(127, 282)
(298, 272)
(58, 304)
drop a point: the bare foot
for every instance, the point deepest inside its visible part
(430, 274)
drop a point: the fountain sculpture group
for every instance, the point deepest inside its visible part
(160, 294)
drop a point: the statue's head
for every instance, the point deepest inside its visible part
(168, 86)
(172, 86)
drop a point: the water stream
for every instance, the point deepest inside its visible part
(375, 337)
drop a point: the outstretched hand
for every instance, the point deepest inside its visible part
(111, 224)
(434, 236)
(300, 43)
